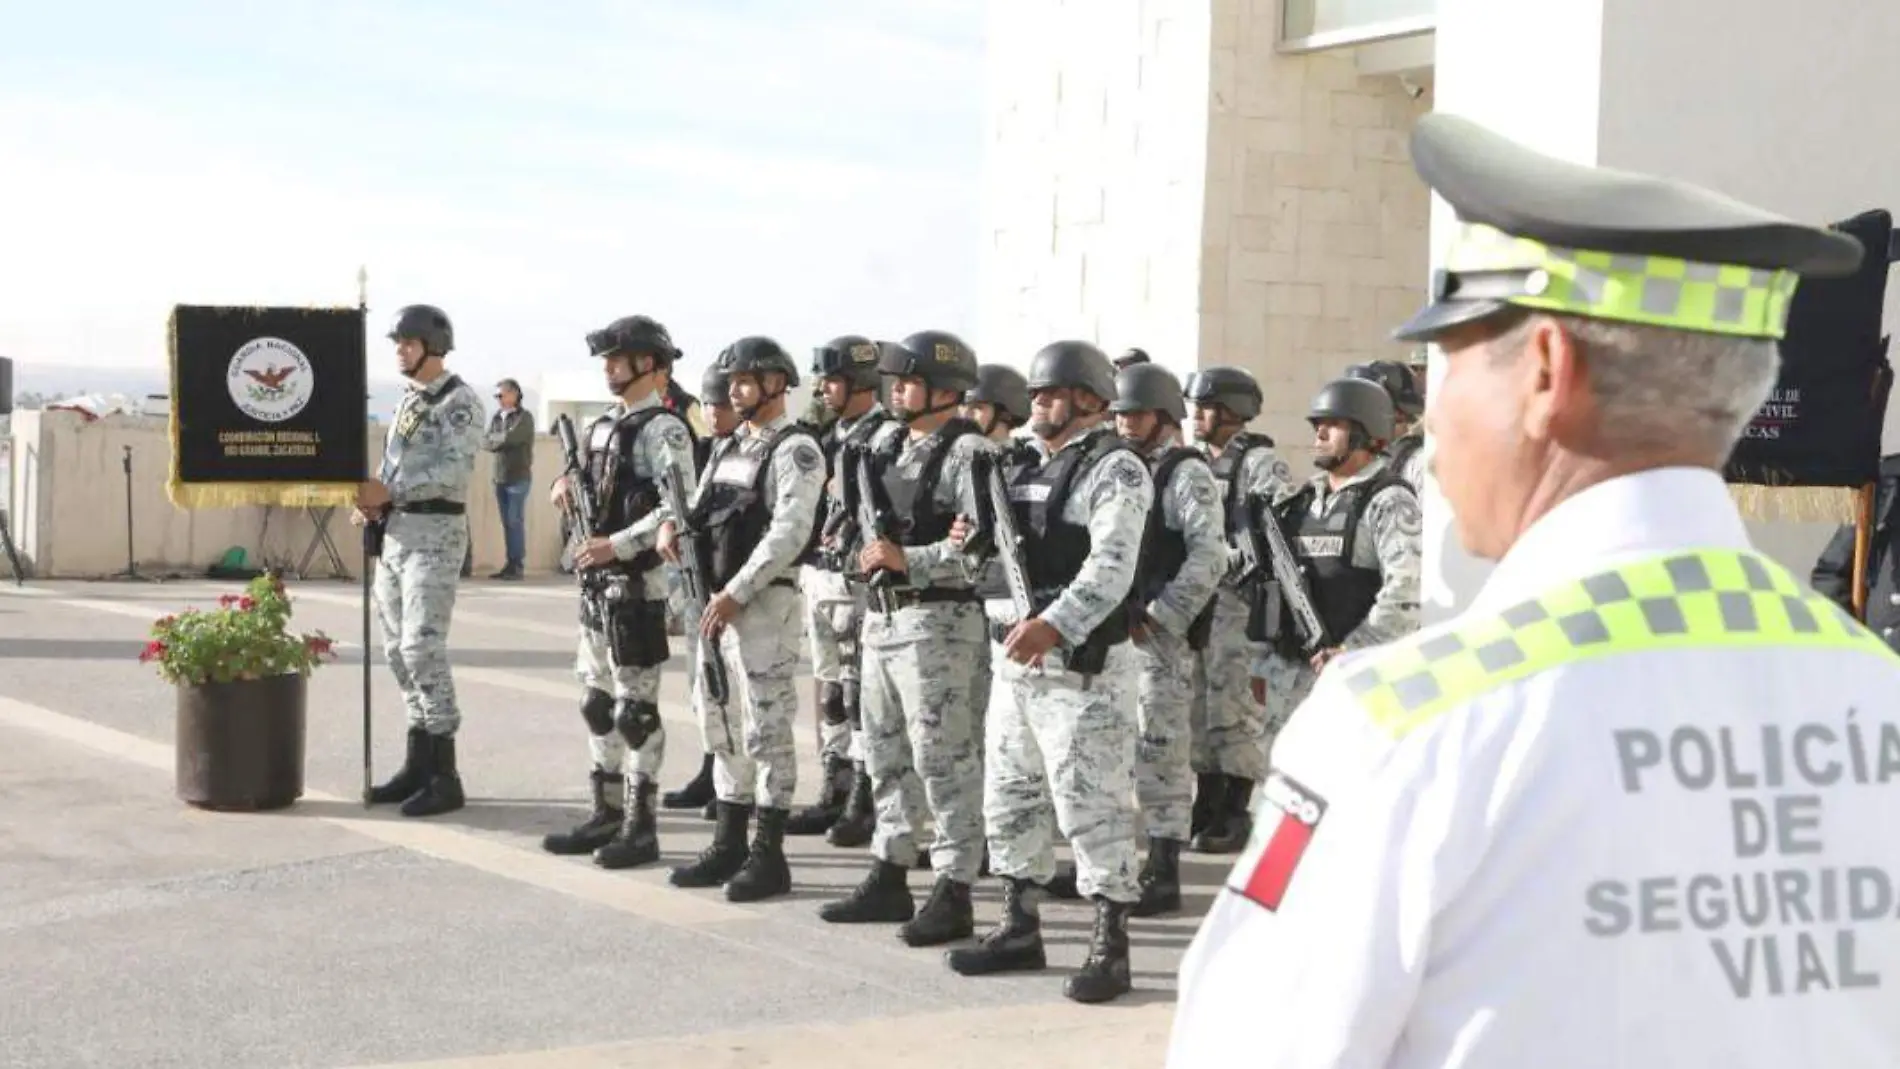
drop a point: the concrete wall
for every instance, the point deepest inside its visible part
(69, 506)
(1156, 174)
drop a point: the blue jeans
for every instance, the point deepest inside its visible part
(513, 498)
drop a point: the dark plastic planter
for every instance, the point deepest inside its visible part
(241, 744)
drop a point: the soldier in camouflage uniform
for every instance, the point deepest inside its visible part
(1359, 534)
(1405, 453)
(999, 402)
(721, 420)
(1231, 729)
(754, 516)
(1184, 554)
(415, 508)
(623, 641)
(925, 666)
(834, 607)
(1060, 753)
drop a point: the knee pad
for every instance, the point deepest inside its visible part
(831, 702)
(637, 721)
(597, 708)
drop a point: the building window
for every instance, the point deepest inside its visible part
(1311, 25)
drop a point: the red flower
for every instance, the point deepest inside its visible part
(318, 645)
(225, 601)
(245, 604)
(153, 650)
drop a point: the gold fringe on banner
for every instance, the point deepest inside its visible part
(238, 495)
(1797, 504)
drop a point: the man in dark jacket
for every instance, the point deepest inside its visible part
(1833, 575)
(511, 438)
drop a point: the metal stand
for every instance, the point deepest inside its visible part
(372, 549)
(131, 563)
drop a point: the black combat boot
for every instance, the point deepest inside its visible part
(413, 775)
(854, 828)
(697, 792)
(1062, 884)
(594, 832)
(717, 863)
(1209, 788)
(765, 873)
(1105, 974)
(1160, 879)
(947, 916)
(818, 818)
(1015, 944)
(1233, 823)
(443, 792)
(637, 842)
(883, 898)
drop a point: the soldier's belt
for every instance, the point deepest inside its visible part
(435, 506)
(935, 595)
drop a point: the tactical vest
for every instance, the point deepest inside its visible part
(1227, 470)
(1400, 453)
(912, 499)
(830, 513)
(1053, 548)
(623, 498)
(1342, 592)
(733, 510)
(1164, 549)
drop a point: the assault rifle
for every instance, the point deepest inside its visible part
(998, 522)
(1265, 553)
(582, 513)
(696, 577)
(874, 523)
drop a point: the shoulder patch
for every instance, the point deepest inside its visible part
(1202, 492)
(1403, 509)
(1126, 468)
(459, 417)
(1290, 814)
(805, 455)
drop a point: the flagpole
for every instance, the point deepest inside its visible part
(371, 541)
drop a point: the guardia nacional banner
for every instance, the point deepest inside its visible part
(268, 406)
(1816, 440)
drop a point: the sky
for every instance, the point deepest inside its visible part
(796, 168)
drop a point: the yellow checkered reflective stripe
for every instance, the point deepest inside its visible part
(1656, 290)
(1691, 600)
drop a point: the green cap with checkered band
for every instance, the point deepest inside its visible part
(1543, 233)
(1699, 599)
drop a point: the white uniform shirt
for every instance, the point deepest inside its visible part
(1685, 854)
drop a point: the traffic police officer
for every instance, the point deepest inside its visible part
(623, 640)
(1231, 731)
(415, 507)
(1405, 448)
(1623, 810)
(721, 420)
(926, 672)
(1358, 534)
(1185, 550)
(1061, 731)
(756, 513)
(846, 368)
(999, 402)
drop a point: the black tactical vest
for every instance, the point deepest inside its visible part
(1400, 453)
(732, 508)
(623, 497)
(1342, 592)
(1164, 549)
(830, 510)
(1227, 475)
(1053, 548)
(910, 491)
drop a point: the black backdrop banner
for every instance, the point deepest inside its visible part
(268, 406)
(1820, 428)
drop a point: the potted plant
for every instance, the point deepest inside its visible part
(240, 674)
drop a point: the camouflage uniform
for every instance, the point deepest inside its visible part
(1412, 466)
(1231, 733)
(1390, 539)
(428, 457)
(754, 761)
(1164, 780)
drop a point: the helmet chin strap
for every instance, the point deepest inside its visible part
(907, 415)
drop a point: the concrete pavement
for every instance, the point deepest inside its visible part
(141, 932)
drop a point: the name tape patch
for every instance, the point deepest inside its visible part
(1289, 815)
